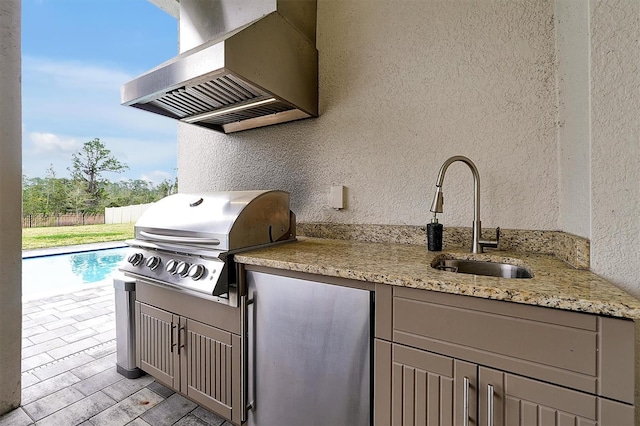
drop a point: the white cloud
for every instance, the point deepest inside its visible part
(142, 150)
(67, 103)
(62, 95)
(42, 150)
(157, 176)
(48, 143)
(148, 158)
(74, 74)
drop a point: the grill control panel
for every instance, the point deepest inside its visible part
(182, 270)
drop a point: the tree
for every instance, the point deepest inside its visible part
(56, 193)
(166, 187)
(33, 198)
(89, 163)
(77, 197)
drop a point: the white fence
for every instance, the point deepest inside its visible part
(126, 214)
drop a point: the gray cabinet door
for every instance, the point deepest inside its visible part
(156, 344)
(507, 399)
(208, 373)
(201, 361)
(416, 387)
(430, 389)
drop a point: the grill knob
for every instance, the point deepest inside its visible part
(182, 269)
(135, 259)
(171, 266)
(153, 262)
(196, 272)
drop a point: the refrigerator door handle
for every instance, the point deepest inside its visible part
(245, 301)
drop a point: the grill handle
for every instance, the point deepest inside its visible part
(174, 239)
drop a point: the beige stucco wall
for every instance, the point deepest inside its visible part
(10, 205)
(615, 141)
(403, 86)
(574, 121)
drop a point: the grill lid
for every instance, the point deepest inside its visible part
(224, 221)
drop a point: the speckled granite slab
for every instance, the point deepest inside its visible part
(555, 284)
(570, 248)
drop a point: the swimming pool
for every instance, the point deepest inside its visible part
(61, 273)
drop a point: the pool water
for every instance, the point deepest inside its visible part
(62, 273)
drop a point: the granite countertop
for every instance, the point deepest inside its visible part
(555, 284)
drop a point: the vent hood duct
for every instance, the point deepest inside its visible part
(243, 65)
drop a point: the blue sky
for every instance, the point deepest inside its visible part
(75, 56)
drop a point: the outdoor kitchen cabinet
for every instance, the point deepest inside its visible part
(440, 356)
(421, 387)
(189, 355)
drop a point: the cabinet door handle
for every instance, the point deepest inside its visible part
(465, 402)
(173, 327)
(489, 405)
(181, 339)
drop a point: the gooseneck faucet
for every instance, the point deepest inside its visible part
(477, 244)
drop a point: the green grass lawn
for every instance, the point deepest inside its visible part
(33, 238)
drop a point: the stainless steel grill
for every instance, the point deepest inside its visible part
(187, 241)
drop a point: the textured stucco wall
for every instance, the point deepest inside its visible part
(572, 44)
(10, 205)
(615, 141)
(403, 86)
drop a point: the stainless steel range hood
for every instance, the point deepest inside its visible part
(256, 65)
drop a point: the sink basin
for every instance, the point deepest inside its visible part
(478, 267)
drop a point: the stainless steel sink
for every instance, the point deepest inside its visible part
(479, 267)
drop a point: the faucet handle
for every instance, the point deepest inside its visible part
(489, 243)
